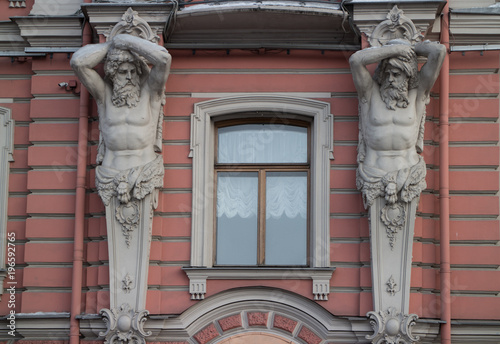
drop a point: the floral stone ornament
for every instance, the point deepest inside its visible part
(392, 327)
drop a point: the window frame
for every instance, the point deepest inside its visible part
(202, 142)
(262, 169)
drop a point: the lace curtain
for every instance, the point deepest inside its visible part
(286, 194)
(262, 143)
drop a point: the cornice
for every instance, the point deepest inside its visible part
(51, 31)
(474, 28)
(10, 37)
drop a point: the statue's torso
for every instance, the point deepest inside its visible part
(128, 132)
(390, 136)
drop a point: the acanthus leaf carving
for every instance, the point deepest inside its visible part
(392, 327)
(124, 325)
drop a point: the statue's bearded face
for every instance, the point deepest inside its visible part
(126, 82)
(394, 88)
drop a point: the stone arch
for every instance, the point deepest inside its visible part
(242, 315)
(255, 338)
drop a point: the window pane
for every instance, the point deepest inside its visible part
(237, 195)
(262, 143)
(286, 218)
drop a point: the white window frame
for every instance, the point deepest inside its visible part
(202, 216)
(6, 151)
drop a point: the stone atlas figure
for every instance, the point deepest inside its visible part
(391, 172)
(130, 170)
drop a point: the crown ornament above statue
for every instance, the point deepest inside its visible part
(134, 25)
(396, 26)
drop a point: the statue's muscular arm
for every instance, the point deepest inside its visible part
(157, 55)
(359, 60)
(429, 72)
(83, 63)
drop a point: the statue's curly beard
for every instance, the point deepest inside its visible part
(394, 95)
(127, 93)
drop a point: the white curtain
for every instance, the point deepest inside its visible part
(237, 194)
(286, 195)
(262, 143)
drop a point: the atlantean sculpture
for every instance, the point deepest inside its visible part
(130, 170)
(391, 173)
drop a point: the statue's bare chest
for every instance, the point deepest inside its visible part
(379, 115)
(139, 115)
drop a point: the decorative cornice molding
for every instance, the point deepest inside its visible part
(46, 32)
(474, 28)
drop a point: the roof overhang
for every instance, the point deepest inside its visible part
(262, 24)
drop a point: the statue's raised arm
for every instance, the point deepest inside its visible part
(429, 72)
(83, 62)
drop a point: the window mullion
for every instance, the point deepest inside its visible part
(261, 247)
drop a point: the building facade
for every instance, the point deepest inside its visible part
(260, 120)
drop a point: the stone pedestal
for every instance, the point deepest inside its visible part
(391, 231)
(129, 240)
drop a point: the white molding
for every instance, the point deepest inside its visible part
(57, 31)
(202, 143)
(474, 28)
(320, 278)
(6, 156)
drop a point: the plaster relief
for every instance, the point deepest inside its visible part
(129, 172)
(391, 172)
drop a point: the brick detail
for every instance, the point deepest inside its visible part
(230, 322)
(46, 342)
(308, 336)
(257, 319)
(284, 323)
(207, 334)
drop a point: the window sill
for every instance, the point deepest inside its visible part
(319, 276)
